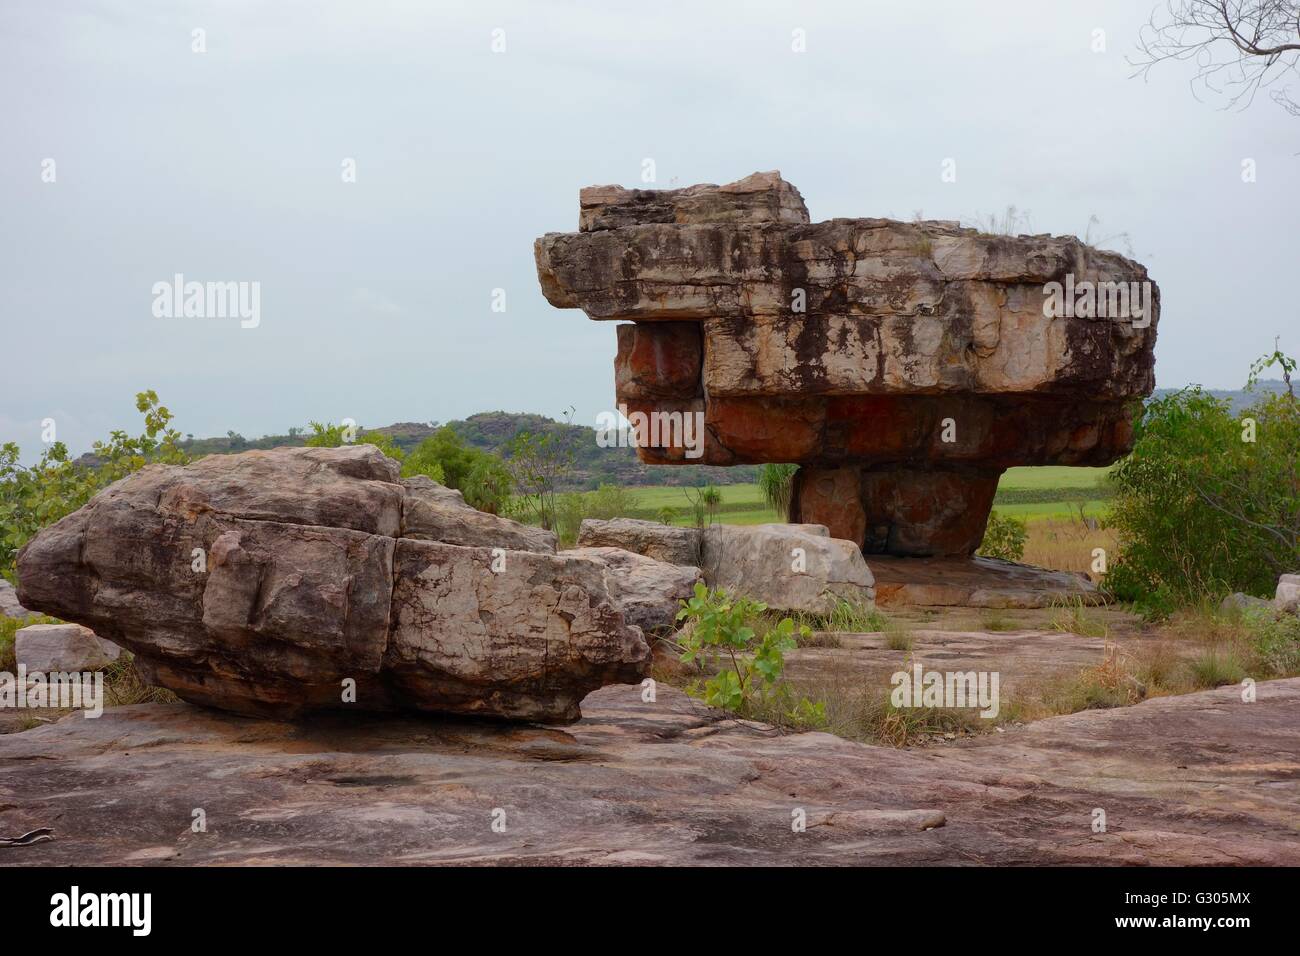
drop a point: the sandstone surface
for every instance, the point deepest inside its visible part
(1203, 779)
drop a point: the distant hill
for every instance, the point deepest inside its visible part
(491, 431)
(1239, 398)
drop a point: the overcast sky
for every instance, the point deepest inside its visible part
(376, 295)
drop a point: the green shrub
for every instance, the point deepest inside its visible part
(667, 515)
(569, 513)
(1004, 538)
(1275, 641)
(326, 435)
(33, 498)
(610, 501)
(1199, 510)
(480, 476)
(751, 679)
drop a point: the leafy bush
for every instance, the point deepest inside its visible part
(1004, 538)
(326, 435)
(751, 681)
(32, 498)
(610, 501)
(666, 515)
(1200, 510)
(569, 512)
(479, 475)
(1275, 641)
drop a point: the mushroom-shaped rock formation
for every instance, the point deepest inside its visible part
(903, 365)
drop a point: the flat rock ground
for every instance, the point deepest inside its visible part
(1198, 779)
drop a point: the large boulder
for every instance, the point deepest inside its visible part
(789, 567)
(54, 648)
(649, 592)
(299, 579)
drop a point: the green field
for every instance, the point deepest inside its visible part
(1054, 490)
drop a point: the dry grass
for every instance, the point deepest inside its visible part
(1199, 648)
(1066, 545)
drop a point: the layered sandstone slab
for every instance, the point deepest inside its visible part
(261, 583)
(1202, 779)
(894, 349)
(789, 567)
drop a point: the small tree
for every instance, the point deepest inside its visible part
(537, 464)
(720, 626)
(1004, 538)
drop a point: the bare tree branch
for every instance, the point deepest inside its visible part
(1238, 47)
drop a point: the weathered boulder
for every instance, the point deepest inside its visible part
(51, 648)
(659, 541)
(285, 581)
(9, 605)
(904, 366)
(1287, 597)
(432, 512)
(789, 567)
(1240, 601)
(649, 592)
(977, 582)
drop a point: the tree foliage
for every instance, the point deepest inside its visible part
(1004, 538)
(326, 435)
(33, 498)
(1209, 502)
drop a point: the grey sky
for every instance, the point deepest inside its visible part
(375, 296)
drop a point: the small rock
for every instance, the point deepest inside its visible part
(49, 648)
(1287, 598)
(9, 605)
(1242, 602)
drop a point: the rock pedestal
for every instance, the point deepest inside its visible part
(903, 365)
